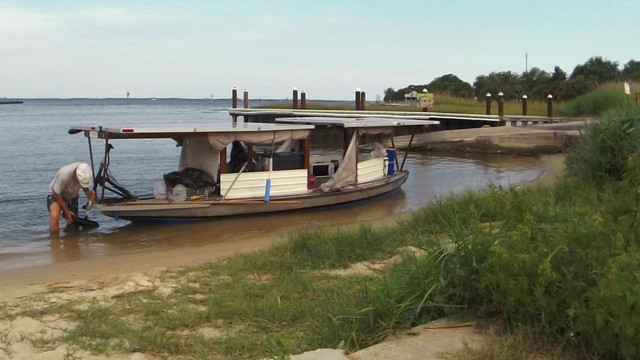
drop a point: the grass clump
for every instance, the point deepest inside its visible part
(598, 102)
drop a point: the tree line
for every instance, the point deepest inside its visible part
(535, 83)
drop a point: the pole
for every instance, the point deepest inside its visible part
(550, 106)
(234, 98)
(363, 100)
(246, 98)
(500, 105)
(358, 99)
(295, 98)
(303, 100)
(524, 105)
(487, 100)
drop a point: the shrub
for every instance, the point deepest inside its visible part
(607, 147)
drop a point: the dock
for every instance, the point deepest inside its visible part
(447, 121)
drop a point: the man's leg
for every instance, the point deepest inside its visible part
(54, 217)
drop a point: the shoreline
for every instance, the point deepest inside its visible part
(22, 281)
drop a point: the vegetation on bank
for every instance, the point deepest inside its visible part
(593, 104)
(535, 83)
(560, 264)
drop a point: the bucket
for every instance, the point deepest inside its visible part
(391, 154)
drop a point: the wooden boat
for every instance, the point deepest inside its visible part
(277, 170)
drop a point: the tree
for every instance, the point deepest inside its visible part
(597, 69)
(558, 74)
(535, 83)
(389, 94)
(506, 82)
(451, 85)
(631, 71)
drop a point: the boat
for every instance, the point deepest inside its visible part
(254, 168)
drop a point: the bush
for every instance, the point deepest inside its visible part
(608, 147)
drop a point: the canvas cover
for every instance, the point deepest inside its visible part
(203, 152)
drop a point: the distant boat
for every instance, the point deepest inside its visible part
(2, 102)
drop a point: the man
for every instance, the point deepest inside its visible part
(63, 192)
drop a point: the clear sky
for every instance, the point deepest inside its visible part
(197, 49)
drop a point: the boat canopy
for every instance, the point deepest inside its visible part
(220, 135)
(201, 144)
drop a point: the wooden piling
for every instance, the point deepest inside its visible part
(234, 98)
(500, 104)
(358, 99)
(295, 98)
(487, 100)
(246, 98)
(363, 100)
(303, 100)
(524, 104)
(550, 106)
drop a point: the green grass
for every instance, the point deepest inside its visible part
(599, 101)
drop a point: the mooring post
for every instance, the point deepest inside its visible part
(550, 107)
(295, 97)
(524, 104)
(487, 100)
(500, 105)
(303, 100)
(358, 99)
(363, 100)
(234, 98)
(246, 98)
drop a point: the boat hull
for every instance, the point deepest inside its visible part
(154, 210)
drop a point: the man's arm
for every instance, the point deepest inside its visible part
(91, 196)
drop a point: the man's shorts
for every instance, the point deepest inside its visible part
(72, 204)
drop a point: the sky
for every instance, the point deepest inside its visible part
(328, 48)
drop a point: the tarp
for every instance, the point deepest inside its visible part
(197, 152)
(347, 171)
(221, 140)
(203, 152)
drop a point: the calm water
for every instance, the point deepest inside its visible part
(35, 144)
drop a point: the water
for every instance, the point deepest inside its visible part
(35, 144)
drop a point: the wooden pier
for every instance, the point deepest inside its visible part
(447, 121)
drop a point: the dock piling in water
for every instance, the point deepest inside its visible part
(295, 97)
(234, 98)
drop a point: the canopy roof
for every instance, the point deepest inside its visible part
(180, 131)
(362, 122)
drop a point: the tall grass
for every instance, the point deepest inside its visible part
(599, 101)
